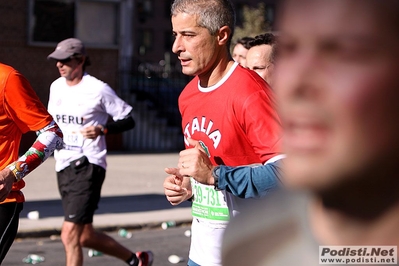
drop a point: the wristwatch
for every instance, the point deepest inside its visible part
(216, 174)
(191, 199)
(104, 130)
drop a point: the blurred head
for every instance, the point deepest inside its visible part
(337, 83)
(71, 59)
(260, 56)
(240, 50)
(203, 30)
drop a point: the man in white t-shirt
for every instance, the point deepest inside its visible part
(82, 105)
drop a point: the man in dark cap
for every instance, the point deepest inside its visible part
(82, 105)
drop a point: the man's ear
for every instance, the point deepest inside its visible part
(224, 35)
(81, 59)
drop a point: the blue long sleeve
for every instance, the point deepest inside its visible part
(250, 182)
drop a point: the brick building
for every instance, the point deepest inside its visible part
(129, 44)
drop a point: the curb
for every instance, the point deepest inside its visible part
(111, 228)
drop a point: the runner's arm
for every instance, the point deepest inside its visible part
(48, 139)
(248, 181)
(119, 126)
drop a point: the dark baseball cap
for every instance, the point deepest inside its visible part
(67, 48)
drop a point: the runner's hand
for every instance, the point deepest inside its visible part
(195, 162)
(177, 188)
(7, 178)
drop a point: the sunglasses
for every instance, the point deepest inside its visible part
(64, 61)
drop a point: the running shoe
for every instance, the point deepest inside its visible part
(146, 258)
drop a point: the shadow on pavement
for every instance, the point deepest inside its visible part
(114, 204)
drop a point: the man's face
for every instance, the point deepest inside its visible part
(195, 47)
(240, 54)
(258, 60)
(70, 68)
(337, 85)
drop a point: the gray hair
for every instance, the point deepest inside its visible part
(212, 14)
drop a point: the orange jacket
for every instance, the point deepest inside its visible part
(20, 111)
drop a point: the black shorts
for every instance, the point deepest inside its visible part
(80, 187)
(9, 219)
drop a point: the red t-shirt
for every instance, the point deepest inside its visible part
(20, 111)
(236, 118)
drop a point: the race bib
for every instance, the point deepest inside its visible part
(73, 139)
(208, 203)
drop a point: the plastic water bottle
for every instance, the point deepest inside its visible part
(187, 233)
(94, 253)
(174, 259)
(124, 233)
(166, 225)
(33, 259)
(33, 215)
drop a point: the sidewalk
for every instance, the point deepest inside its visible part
(132, 196)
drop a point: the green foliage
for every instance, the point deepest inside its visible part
(254, 22)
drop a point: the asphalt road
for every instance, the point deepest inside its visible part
(163, 243)
(132, 197)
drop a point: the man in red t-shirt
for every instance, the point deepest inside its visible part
(226, 107)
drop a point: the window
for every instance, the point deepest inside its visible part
(144, 10)
(145, 41)
(168, 5)
(52, 21)
(95, 22)
(168, 40)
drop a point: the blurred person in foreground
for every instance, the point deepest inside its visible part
(260, 56)
(240, 50)
(227, 108)
(337, 85)
(21, 111)
(82, 106)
